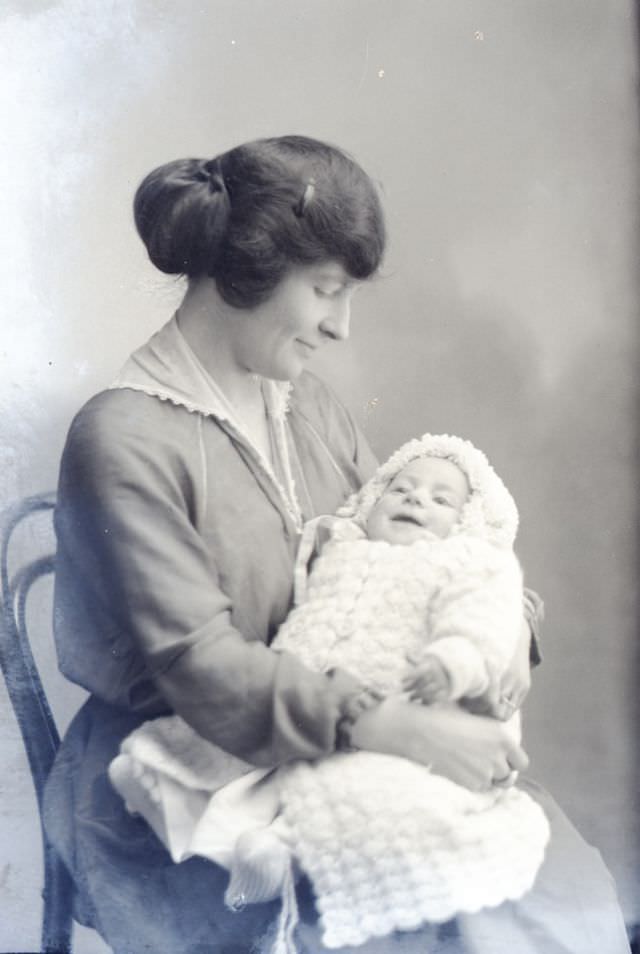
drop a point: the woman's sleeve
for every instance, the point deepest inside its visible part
(336, 427)
(534, 615)
(150, 583)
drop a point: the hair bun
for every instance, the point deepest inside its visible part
(181, 211)
(211, 171)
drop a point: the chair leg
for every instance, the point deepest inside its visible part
(57, 896)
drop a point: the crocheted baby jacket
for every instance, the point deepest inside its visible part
(368, 605)
(387, 845)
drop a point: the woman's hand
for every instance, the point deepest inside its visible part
(471, 750)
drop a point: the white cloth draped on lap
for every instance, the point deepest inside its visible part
(196, 797)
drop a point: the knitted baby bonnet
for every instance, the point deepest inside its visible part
(490, 511)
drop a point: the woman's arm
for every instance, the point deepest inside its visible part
(534, 617)
(141, 606)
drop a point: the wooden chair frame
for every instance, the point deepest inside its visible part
(32, 710)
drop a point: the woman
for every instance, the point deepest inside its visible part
(182, 492)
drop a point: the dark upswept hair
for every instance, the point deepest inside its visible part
(245, 217)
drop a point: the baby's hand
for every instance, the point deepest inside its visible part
(428, 682)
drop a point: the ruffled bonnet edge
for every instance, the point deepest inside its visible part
(490, 511)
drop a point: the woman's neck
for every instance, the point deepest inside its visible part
(207, 323)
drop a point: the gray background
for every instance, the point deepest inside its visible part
(504, 135)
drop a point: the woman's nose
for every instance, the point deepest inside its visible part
(336, 323)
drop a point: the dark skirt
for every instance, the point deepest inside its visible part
(130, 891)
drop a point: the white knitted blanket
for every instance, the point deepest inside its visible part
(387, 845)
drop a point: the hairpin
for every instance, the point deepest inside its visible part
(301, 206)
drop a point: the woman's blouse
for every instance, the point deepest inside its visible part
(176, 545)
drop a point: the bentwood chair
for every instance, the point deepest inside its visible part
(27, 695)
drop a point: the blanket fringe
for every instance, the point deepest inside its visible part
(284, 942)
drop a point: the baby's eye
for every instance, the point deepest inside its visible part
(443, 501)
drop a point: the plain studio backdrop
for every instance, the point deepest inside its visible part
(504, 137)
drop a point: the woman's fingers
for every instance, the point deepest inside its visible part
(507, 780)
(517, 758)
(507, 705)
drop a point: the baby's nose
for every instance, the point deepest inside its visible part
(415, 497)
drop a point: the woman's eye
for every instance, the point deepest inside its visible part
(326, 292)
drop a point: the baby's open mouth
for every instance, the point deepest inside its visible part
(407, 518)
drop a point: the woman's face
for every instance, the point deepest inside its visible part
(310, 307)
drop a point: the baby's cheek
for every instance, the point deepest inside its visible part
(376, 524)
(445, 525)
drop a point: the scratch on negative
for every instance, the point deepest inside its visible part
(366, 64)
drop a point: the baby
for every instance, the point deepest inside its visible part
(414, 589)
(453, 609)
(426, 499)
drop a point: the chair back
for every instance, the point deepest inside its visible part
(33, 712)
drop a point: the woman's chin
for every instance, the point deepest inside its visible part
(290, 371)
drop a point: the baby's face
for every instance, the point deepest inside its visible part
(425, 498)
